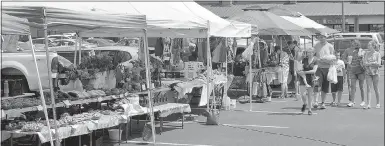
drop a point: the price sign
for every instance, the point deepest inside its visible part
(39, 108)
(67, 103)
(100, 99)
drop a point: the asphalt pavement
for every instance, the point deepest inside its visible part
(280, 123)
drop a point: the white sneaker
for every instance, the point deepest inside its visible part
(351, 104)
(367, 107)
(362, 103)
(378, 106)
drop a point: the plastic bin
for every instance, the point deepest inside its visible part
(114, 134)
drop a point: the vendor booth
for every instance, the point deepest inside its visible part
(152, 85)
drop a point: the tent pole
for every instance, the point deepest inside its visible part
(149, 86)
(80, 50)
(208, 72)
(50, 78)
(76, 48)
(226, 69)
(251, 77)
(41, 90)
(280, 38)
(312, 41)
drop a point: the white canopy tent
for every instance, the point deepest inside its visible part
(162, 21)
(309, 24)
(11, 25)
(218, 26)
(55, 17)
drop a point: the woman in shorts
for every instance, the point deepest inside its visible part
(372, 62)
(353, 57)
(309, 69)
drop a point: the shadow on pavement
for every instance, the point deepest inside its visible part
(286, 114)
(299, 108)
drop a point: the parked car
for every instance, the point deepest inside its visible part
(41, 42)
(341, 44)
(64, 42)
(101, 42)
(112, 50)
(20, 65)
(375, 36)
(58, 37)
(129, 42)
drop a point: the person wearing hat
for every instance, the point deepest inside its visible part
(324, 55)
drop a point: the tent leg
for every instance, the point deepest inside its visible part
(149, 86)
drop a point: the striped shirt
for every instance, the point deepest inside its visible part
(355, 65)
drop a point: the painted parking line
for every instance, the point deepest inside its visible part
(270, 112)
(277, 101)
(258, 126)
(165, 143)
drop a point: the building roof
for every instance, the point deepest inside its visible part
(307, 9)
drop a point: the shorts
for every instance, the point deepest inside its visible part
(283, 75)
(322, 73)
(339, 86)
(360, 76)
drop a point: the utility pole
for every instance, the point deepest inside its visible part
(343, 17)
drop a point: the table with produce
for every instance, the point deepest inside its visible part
(96, 97)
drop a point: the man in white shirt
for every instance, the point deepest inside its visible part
(322, 50)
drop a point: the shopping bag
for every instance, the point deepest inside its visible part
(212, 117)
(147, 132)
(332, 75)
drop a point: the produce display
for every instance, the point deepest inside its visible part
(60, 96)
(32, 127)
(65, 120)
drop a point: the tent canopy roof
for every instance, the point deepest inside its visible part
(218, 26)
(162, 20)
(13, 25)
(59, 17)
(271, 24)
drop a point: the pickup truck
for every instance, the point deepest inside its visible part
(20, 65)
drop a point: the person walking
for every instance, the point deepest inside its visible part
(309, 69)
(338, 87)
(324, 53)
(284, 67)
(353, 57)
(372, 63)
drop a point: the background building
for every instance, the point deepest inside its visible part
(359, 17)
